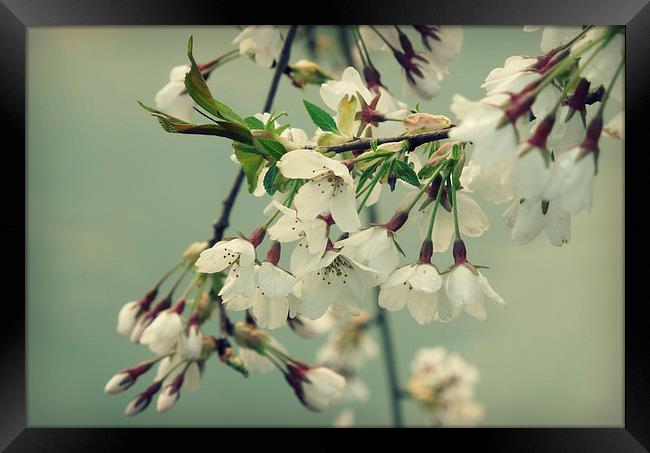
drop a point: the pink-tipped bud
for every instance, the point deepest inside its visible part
(170, 394)
(317, 388)
(141, 401)
(126, 378)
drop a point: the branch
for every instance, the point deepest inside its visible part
(223, 221)
(364, 143)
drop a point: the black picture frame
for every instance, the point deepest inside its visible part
(17, 15)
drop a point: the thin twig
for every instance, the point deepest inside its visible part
(223, 221)
(365, 143)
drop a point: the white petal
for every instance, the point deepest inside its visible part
(344, 208)
(425, 279)
(472, 219)
(303, 164)
(393, 298)
(558, 225)
(422, 306)
(462, 286)
(314, 198)
(489, 291)
(273, 281)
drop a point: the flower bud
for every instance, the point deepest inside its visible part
(305, 72)
(248, 336)
(425, 122)
(141, 401)
(194, 250)
(257, 236)
(131, 312)
(317, 388)
(170, 394)
(397, 221)
(126, 378)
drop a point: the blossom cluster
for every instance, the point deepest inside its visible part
(532, 142)
(443, 384)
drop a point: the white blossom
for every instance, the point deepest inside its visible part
(338, 282)
(414, 286)
(128, 317)
(528, 218)
(163, 333)
(224, 254)
(571, 182)
(373, 247)
(329, 188)
(466, 289)
(261, 42)
(270, 302)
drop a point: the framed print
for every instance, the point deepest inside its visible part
(383, 228)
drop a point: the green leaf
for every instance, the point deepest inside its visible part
(269, 179)
(251, 162)
(275, 149)
(406, 173)
(254, 123)
(366, 174)
(199, 91)
(220, 128)
(321, 118)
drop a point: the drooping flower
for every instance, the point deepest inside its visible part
(517, 72)
(528, 218)
(261, 42)
(329, 187)
(270, 303)
(495, 148)
(415, 286)
(173, 98)
(466, 289)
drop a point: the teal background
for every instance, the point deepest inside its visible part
(113, 200)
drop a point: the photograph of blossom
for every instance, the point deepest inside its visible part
(327, 226)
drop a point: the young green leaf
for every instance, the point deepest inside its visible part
(404, 172)
(269, 179)
(199, 91)
(275, 149)
(172, 124)
(366, 174)
(251, 162)
(254, 123)
(321, 118)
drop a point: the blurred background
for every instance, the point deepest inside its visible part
(113, 200)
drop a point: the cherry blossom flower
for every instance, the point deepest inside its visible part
(290, 228)
(415, 286)
(339, 282)
(261, 42)
(224, 254)
(466, 289)
(131, 312)
(270, 303)
(373, 247)
(329, 188)
(528, 218)
(163, 333)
